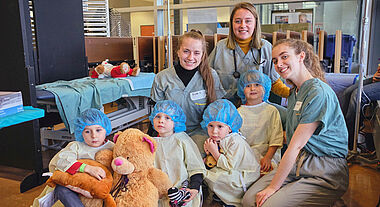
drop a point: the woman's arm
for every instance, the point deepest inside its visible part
(299, 140)
(157, 93)
(266, 161)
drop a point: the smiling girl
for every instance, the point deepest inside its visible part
(192, 84)
(244, 50)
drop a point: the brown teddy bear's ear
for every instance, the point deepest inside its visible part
(151, 142)
(116, 135)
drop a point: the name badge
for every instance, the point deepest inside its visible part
(198, 95)
(298, 105)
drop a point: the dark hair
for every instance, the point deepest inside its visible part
(204, 68)
(256, 36)
(311, 60)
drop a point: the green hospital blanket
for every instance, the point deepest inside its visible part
(75, 96)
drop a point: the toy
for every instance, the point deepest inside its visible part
(106, 70)
(210, 161)
(136, 182)
(177, 196)
(93, 191)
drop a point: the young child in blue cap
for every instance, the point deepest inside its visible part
(236, 167)
(91, 129)
(261, 121)
(177, 154)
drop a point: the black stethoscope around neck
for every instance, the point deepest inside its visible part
(236, 73)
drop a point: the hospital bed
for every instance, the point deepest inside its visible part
(69, 98)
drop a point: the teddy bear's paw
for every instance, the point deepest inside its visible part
(136, 71)
(210, 161)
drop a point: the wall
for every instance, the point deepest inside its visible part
(343, 15)
(140, 18)
(223, 15)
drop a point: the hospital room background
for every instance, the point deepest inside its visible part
(50, 49)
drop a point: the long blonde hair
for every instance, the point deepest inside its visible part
(256, 36)
(204, 68)
(311, 60)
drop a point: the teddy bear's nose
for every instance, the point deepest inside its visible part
(118, 162)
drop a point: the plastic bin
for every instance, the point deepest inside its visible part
(348, 43)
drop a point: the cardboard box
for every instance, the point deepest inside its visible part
(10, 103)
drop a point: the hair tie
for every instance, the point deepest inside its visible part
(196, 31)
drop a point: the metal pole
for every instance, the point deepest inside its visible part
(170, 61)
(362, 70)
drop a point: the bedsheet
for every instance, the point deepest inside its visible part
(75, 96)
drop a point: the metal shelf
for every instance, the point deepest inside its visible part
(96, 18)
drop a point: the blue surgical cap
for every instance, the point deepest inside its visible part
(250, 77)
(173, 110)
(222, 111)
(91, 117)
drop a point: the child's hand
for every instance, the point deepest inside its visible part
(265, 164)
(211, 146)
(193, 193)
(205, 148)
(94, 171)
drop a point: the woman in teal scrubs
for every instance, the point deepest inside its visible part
(313, 170)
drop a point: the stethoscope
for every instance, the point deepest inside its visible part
(236, 74)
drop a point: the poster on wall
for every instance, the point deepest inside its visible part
(298, 16)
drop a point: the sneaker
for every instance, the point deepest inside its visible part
(216, 198)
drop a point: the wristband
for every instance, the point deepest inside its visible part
(81, 168)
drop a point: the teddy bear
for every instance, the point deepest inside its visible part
(210, 161)
(93, 192)
(137, 183)
(106, 70)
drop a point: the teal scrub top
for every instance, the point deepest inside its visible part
(192, 98)
(317, 102)
(222, 60)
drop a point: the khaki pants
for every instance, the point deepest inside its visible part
(313, 181)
